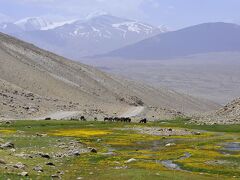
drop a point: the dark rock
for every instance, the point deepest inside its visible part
(55, 176)
(2, 161)
(93, 150)
(50, 164)
(41, 135)
(60, 172)
(44, 155)
(197, 133)
(7, 145)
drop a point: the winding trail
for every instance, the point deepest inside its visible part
(133, 111)
(61, 115)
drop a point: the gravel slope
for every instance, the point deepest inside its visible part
(229, 114)
(35, 82)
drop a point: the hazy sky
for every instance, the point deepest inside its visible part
(172, 13)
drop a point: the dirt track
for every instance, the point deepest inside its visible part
(133, 111)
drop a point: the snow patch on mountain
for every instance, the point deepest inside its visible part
(33, 23)
(39, 23)
(57, 24)
(134, 26)
(107, 27)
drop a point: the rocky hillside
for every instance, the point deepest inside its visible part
(35, 82)
(229, 114)
(231, 111)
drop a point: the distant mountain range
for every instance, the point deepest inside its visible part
(37, 23)
(199, 39)
(30, 24)
(107, 36)
(77, 38)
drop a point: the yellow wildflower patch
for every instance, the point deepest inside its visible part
(81, 132)
(7, 131)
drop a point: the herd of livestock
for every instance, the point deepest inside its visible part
(122, 119)
(110, 119)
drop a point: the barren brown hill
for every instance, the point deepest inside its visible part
(35, 83)
(229, 114)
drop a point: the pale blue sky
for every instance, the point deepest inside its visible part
(172, 13)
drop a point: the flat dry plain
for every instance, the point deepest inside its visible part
(211, 76)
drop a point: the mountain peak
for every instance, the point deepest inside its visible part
(40, 23)
(198, 39)
(33, 23)
(99, 34)
(96, 14)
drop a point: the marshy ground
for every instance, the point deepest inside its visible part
(102, 150)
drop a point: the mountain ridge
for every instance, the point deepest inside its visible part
(84, 37)
(36, 82)
(198, 39)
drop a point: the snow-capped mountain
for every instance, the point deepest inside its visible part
(39, 23)
(97, 34)
(108, 27)
(33, 23)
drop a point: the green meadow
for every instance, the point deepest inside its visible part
(121, 154)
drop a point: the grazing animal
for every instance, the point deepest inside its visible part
(82, 118)
(123, 119)
(143, 121)
(117, 119)
(48, 118)
(110, 119)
